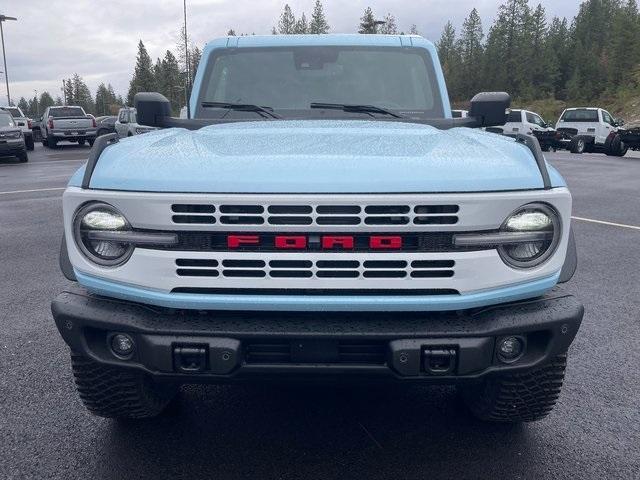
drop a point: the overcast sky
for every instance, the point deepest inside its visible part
(53, 39)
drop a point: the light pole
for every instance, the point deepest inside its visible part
(4, 18)
(37, 107)
(186, 56)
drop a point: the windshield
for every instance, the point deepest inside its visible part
(60, 112)
(292, 78)
(6, 120)
(580, 115)
(13, 111)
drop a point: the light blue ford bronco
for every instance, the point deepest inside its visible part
(319, 217)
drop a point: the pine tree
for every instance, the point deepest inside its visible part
(450, 59)
(231, 33)
(171, 85)
(106, 102)
(274, 31)
(287, 23)
(558, 55)
(625, 45)
(389, 26)
(301, 26)
(471, 52)
(318, 24)
(46, 100)
(414, 30)
(368, 22)
(23, 105)
(196, 54)
(81, 94)
(143, 79)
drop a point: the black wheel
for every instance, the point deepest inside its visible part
(129, 134)
(545, 148)
(23, 157)
(577, 145)
(51, 142)
(91, 142)
(119, 393)
(518, 397)
(617, 148)
(81, 141)
(29, 143)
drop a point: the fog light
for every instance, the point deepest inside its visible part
(510, 348)
(122, 345)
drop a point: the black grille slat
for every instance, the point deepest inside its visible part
(189, 272)
(243, 263)
(387, 209)
(245, 273)
(319, 292)
(337, 264)
(384, 274)
(436, 209)
(432, 274)
(338, 274)
(291, 273)
(388, 220)
(244, 209)
(289, 209)
(201, 219)
(385, 264)
(338, 220)
(432, 264)
(443, 220)
(290, 264)
(192, 208)
(338, 209)
(241, 220)
(290, 220)
(196, 262)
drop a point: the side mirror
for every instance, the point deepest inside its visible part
(151, 108)
(490, 108)
(619, 122)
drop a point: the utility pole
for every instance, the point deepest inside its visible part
(64, 92)
(186, 55)
(37, 107)
(4, 18)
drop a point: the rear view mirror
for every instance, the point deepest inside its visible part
(619, 122)
(152, 108)
(490, 108)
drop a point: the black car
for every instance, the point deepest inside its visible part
(11, 138)
(106, 124)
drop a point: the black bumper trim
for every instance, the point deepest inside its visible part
(85, 321)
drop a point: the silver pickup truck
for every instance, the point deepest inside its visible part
(67, 123)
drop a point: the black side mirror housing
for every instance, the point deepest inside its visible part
(619, 122)
(151, 108)
(490, 108)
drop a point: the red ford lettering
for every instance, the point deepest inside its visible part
(235, 241)
(344, 242)
(385, 242)
(290, 242)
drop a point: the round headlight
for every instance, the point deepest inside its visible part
(532, 218)
(94, 218)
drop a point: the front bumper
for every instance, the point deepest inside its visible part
(217, 347)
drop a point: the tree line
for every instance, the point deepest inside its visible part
(594, 55)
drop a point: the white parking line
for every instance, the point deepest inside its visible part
(633, 227)
(34, 190)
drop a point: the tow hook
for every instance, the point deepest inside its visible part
(439, 360)
(190, 359)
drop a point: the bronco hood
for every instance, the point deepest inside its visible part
(323, 156)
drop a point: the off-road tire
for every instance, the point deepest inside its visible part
(51, 142)
(119, 393)
(616, 147)
(517, 397)
(23, 157)
(28, 141)
(577, 145)
(91, 142)
(81, 142)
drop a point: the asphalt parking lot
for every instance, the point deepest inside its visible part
(321, 432)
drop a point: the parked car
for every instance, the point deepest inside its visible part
(299, 237)
(106, 125)
(12, 142)
(127, 125)
(590, 129)
(69, 123)
(35, 129)
(23, 122)
(530, 123)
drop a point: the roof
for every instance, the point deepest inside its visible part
(324, 40)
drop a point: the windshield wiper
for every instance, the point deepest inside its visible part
(243, 107)
(355, 108)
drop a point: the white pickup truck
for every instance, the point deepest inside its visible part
(23, 122)
(590, 129)
(68, 123)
